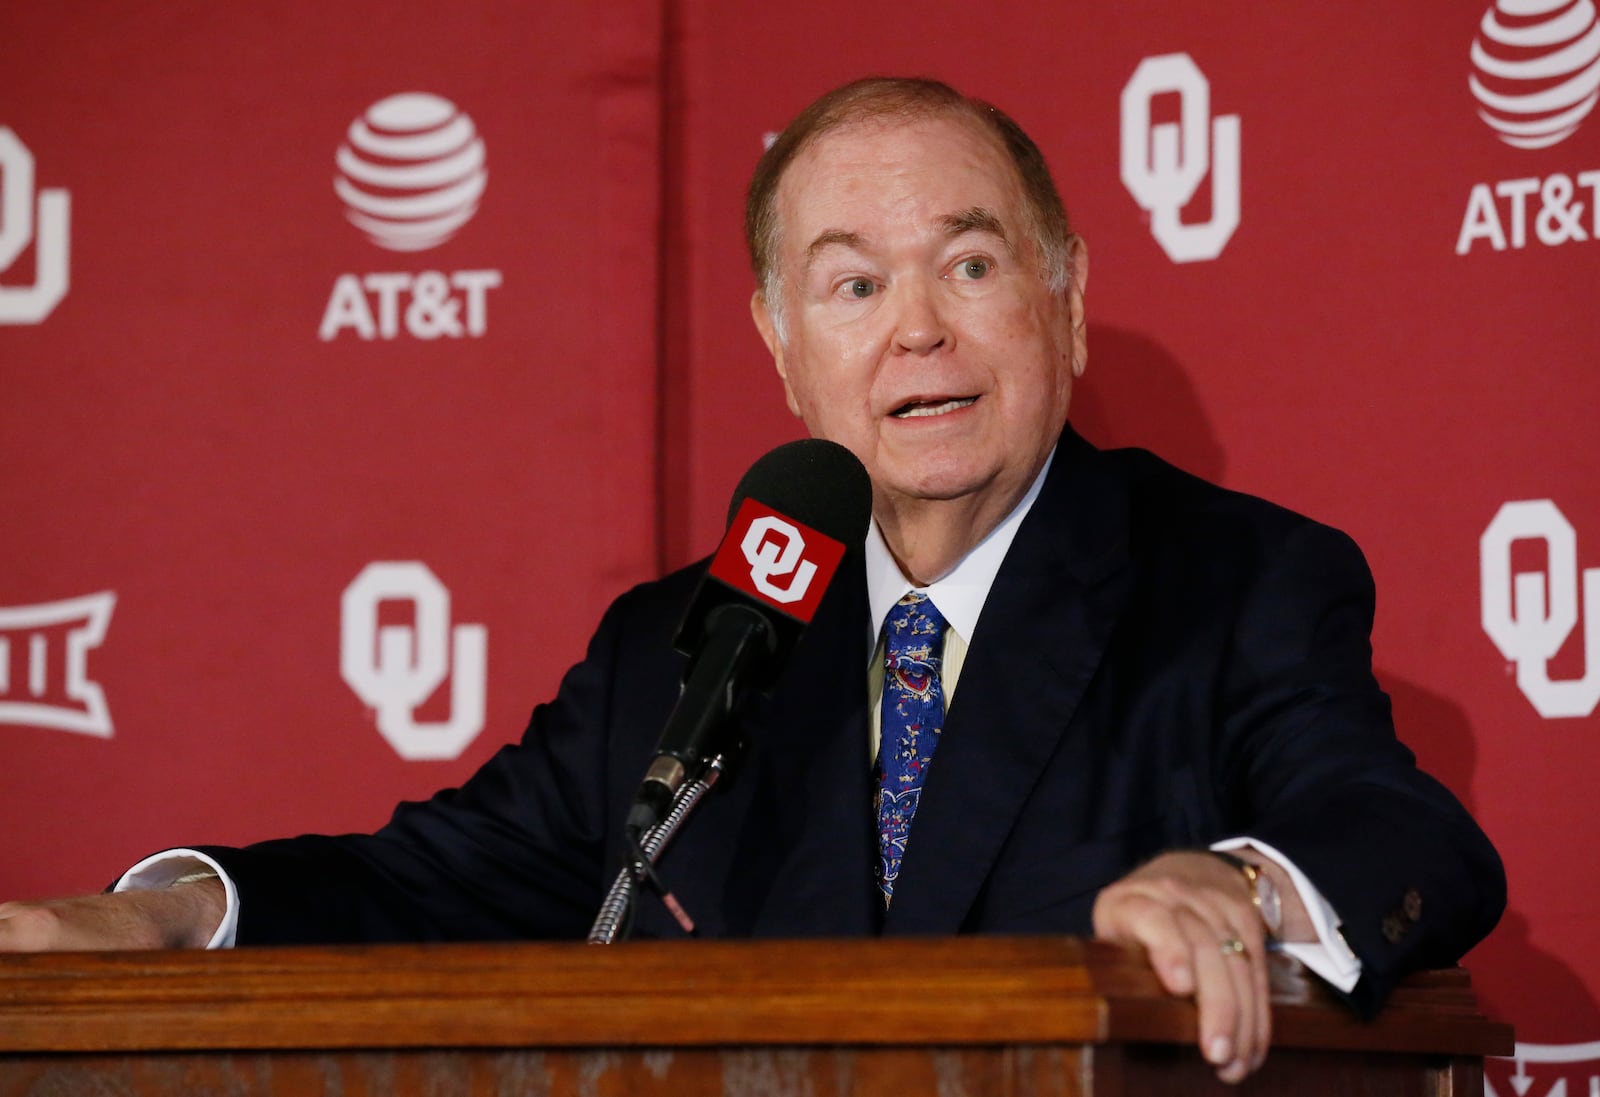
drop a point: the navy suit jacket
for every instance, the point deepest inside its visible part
(1160, 664)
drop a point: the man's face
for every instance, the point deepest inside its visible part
(920, 330)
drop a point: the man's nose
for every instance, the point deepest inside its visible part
(919, 322)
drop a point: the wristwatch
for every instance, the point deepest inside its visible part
(1263, 892)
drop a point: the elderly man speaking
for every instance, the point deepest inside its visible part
(1168, 730)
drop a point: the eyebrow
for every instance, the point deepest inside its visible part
(830, 238)
(977, 219)
(972, 219)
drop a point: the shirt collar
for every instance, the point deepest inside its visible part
(959, 595)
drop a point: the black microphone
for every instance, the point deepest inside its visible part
(792, 519)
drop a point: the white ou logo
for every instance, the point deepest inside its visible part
(33, 304)
(1530, 615)
(55, 691)
(396, 668)
(1536, 74)
(411, 171)
(1555, 1065)
(1163, 166)
(767, 557)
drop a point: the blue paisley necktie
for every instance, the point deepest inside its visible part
(913, 713)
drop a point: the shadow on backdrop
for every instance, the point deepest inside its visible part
(1136, 393)
(1516, 981)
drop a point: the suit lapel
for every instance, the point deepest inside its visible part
(1037, 646)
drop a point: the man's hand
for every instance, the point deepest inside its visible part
(1189, 910)
(178, 917)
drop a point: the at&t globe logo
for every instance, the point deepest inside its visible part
(411, 172)
(1536, 69)
(1536, 77)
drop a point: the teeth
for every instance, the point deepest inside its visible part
(920, 410)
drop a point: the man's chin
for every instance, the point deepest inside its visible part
(939, 484)
(976, 488)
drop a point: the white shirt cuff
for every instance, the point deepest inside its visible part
(1330, 957)
(159, 870)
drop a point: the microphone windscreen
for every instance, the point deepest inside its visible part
(815, 482)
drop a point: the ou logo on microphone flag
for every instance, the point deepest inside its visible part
(777, 560)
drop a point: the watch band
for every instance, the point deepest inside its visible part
(1263, 892)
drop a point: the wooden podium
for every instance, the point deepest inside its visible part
(986, 1016)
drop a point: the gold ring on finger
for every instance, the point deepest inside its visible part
(1232, 946)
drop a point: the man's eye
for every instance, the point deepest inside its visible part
(974, 268)
(860, 287)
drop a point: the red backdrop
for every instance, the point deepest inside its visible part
(1391, 327)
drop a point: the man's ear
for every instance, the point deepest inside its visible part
(1077, 283)
(762, 315)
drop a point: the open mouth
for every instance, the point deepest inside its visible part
(918, 409)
